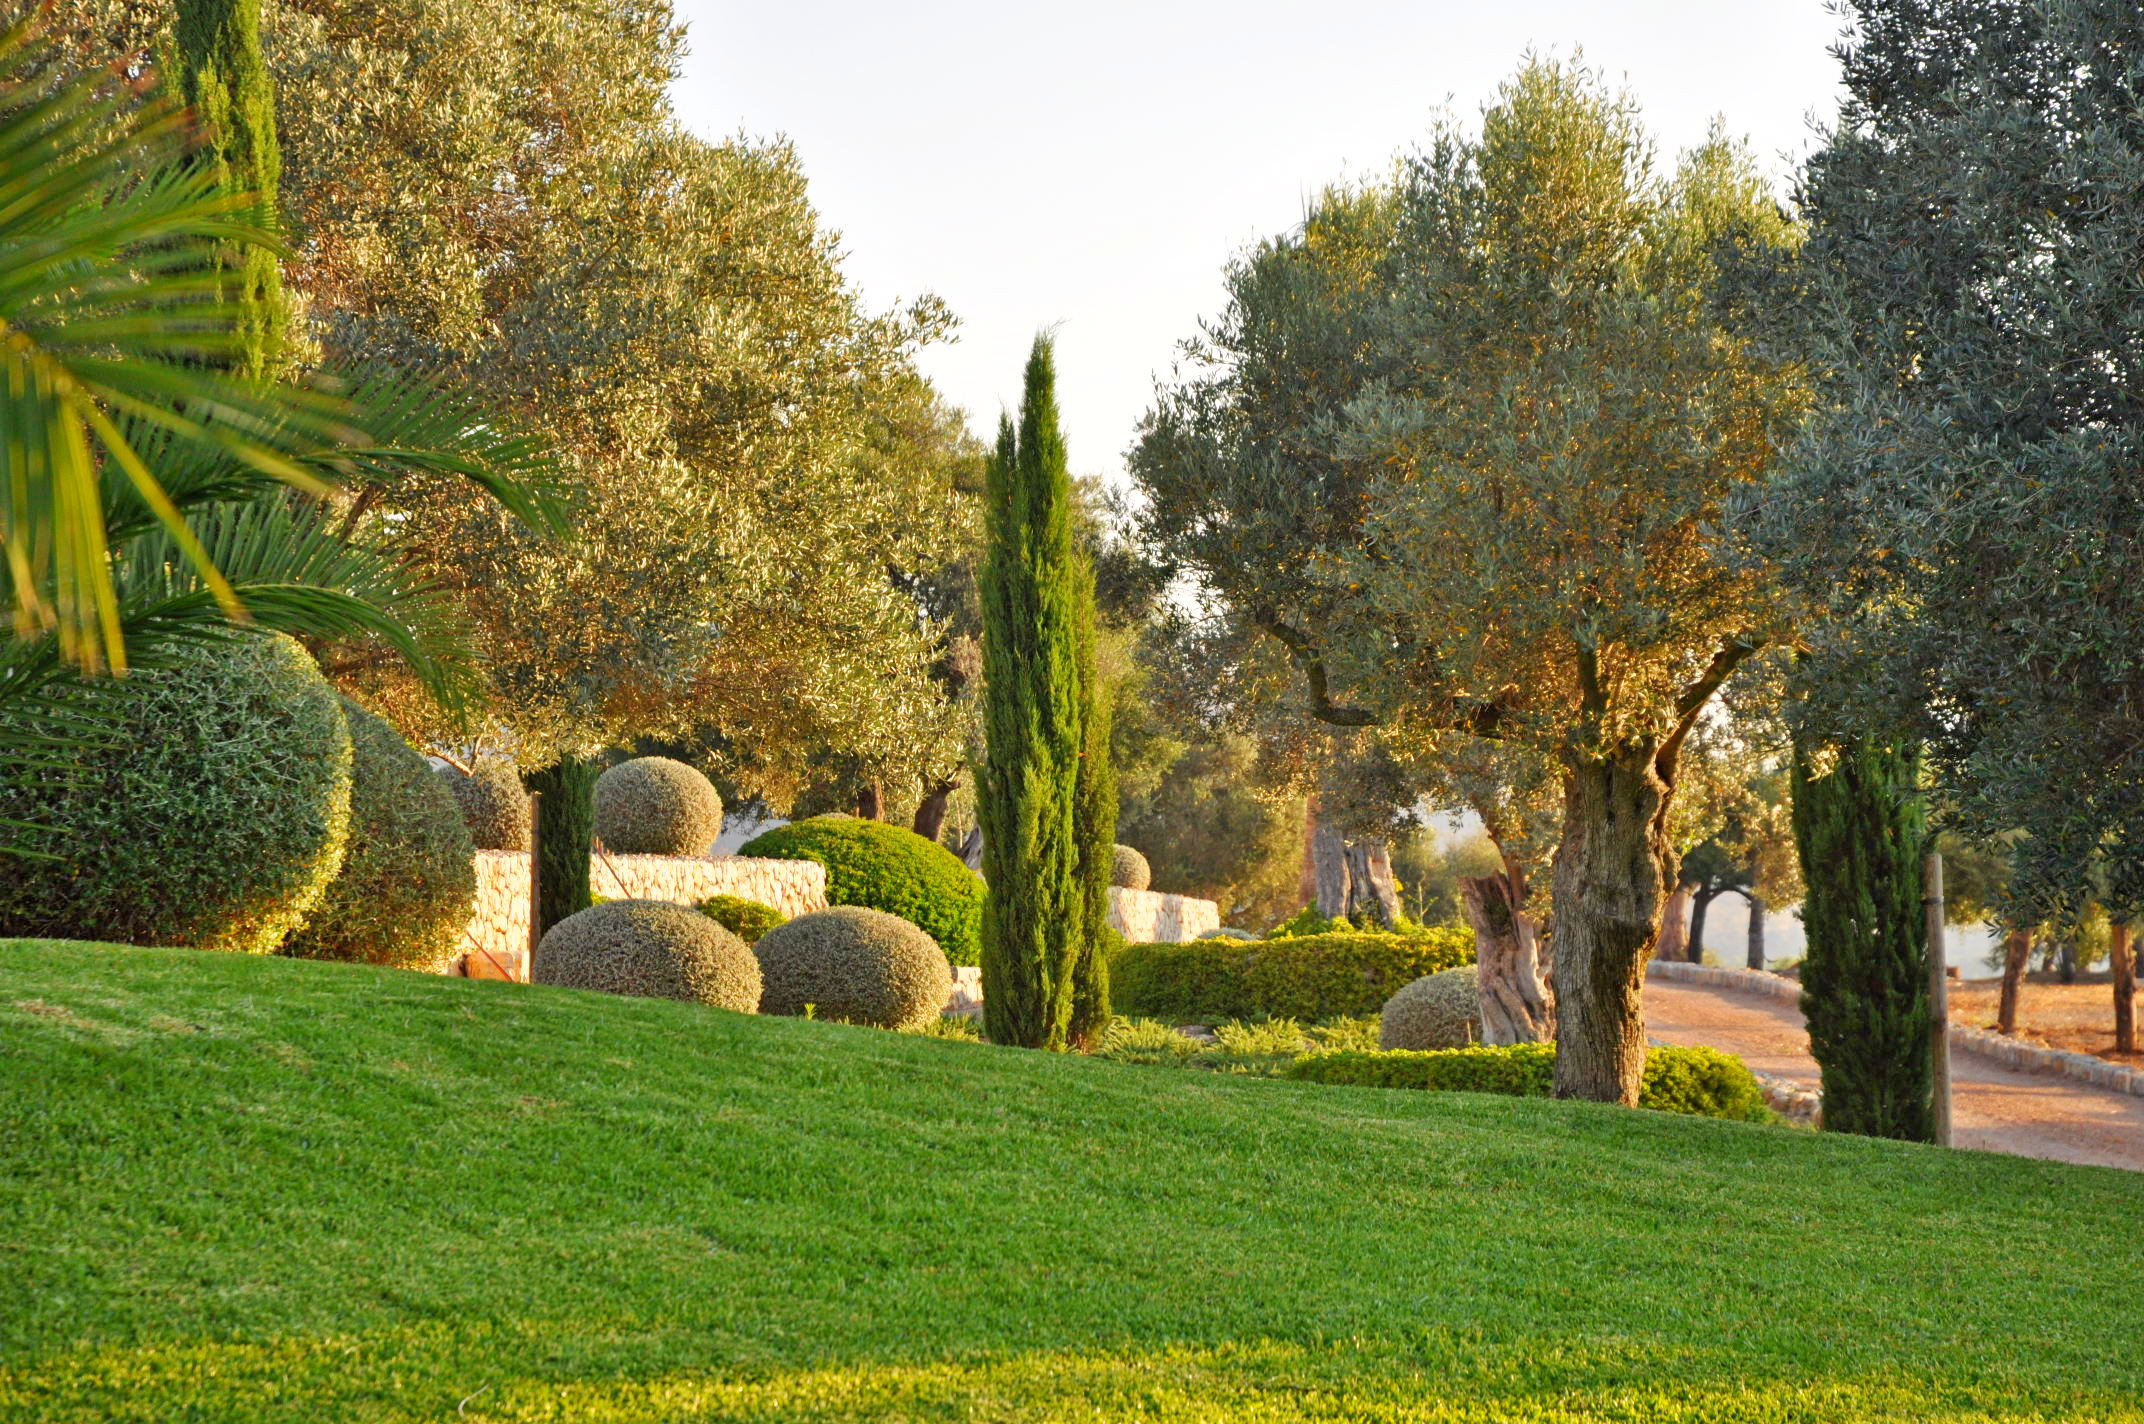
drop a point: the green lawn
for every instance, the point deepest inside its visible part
(239, 1189)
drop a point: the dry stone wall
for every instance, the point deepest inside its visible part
(500, 925)
(1149, 917)
(496, 946)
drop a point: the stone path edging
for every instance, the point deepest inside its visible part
(1981, 1042)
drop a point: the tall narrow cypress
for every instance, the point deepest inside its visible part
(225, 82)
(565, 837)
(1034, 592)
(1861, 831)
(1095, 823)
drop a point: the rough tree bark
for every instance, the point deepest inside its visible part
(1352, 876)
(1515, 1002)
(1675, 925)
(1611, 884)
(930, 811)
(2121, 959)
(2017, 949)
(1700, 907)
(871, 802)
(1328, 870)
(1306, 888)
(1372, 897)
(1756, 930)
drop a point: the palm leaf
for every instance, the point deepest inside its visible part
(112, 305)
(295, 573)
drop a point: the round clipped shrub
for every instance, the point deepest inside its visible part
(409, 876)
(214, 816)
(854, 965)
(495, 806)
(1435, 1011)
(746, 919)
(1128, 869)
(888, 868)
(651, 949)
(656, 806)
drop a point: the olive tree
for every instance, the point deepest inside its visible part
(1462, 445)
(1965, 505)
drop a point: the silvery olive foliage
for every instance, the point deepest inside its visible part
(1463, 446)
(1965, 508)
(498, 190)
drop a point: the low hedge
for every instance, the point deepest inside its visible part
(1700, 1081)
(1309, 977)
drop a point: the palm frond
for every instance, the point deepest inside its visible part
(294, 573)
(111, 304)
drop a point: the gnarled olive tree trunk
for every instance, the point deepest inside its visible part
(1755, 941)
(1675, 924)
(1611, 884)
(1515, 1002)
(1700, 907)
(2017, 950)
(1353, 876)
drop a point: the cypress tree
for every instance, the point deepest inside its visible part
(1861, 831)
(225, 82)
(1095, 823)
(566, 836)
(1035, 590)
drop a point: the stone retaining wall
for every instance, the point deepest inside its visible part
(500, 924)
(1985, 1043)
(1149, 917)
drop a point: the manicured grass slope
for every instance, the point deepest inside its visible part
(239, 1189)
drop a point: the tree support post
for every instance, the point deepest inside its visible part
(535, 876)
(2121, 959)
(1938, 1001)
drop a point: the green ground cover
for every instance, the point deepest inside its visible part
(254, 1189)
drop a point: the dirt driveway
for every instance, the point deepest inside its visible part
(1993, 1108)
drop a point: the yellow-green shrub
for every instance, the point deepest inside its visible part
(1678, 1079)
(1309, 977)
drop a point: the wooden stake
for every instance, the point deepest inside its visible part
(1938, 999)
(535, 876)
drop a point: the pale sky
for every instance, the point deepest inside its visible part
(1090, 168)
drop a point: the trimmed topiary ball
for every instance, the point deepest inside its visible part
(656, 806)
(495, 805)
(651, 949)
(1435, 1011)
(856, 966)
(746, 919)
(1128, 869)
(888, 868)
(409, 876)
(215, 817)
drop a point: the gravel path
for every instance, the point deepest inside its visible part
(1993, 1108)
